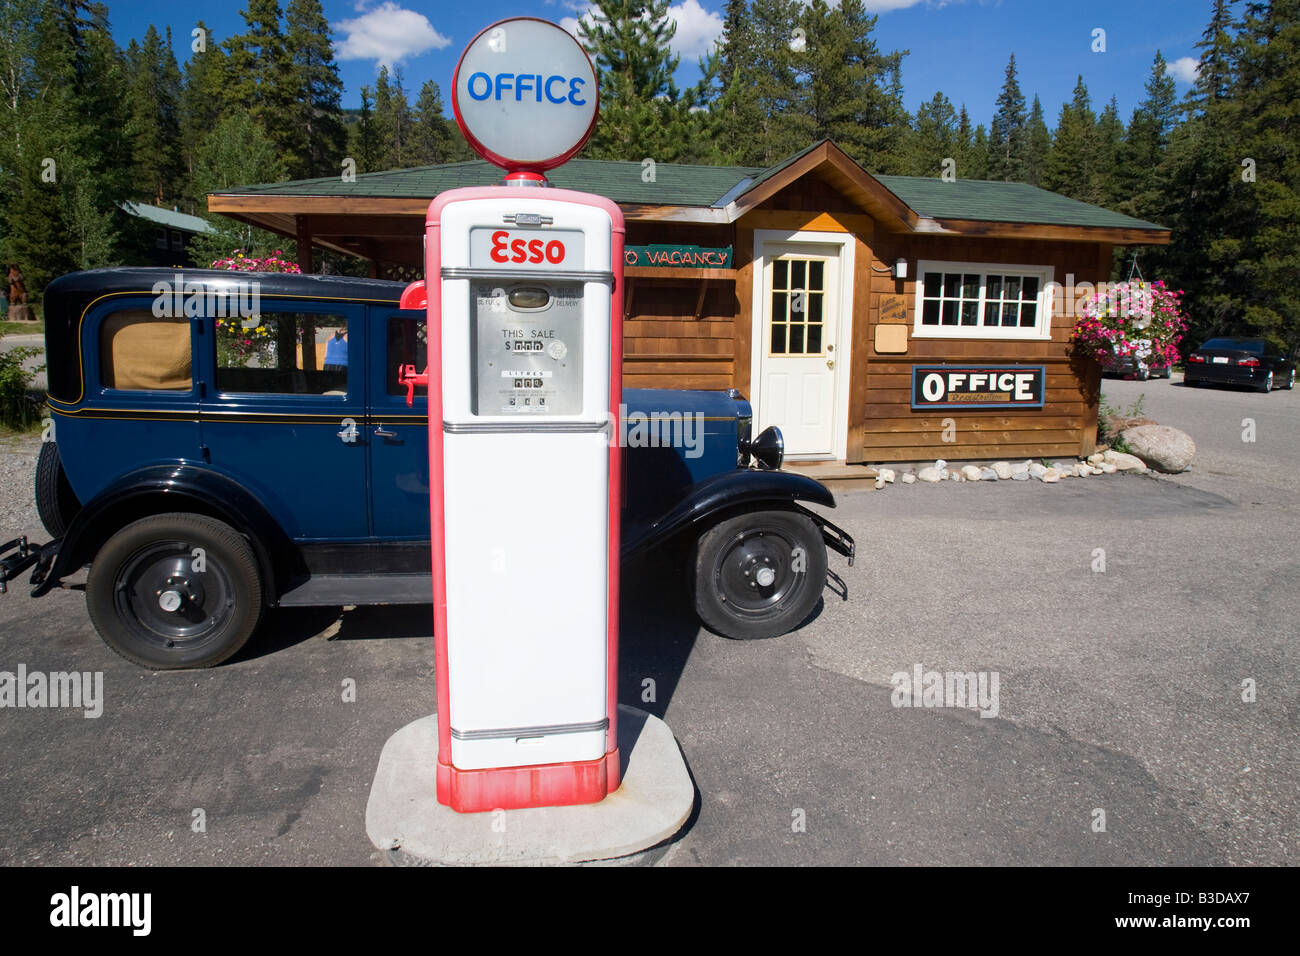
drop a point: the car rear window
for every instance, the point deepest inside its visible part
(140, 352)
(1240, 345)
(283, 353)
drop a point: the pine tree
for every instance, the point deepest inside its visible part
(1008, 139)
(1147, 142)
(934, 137)
(1039, 145)
(1072, 161)
(642, 112)
(1107, 154)
(261, 77)
(734, 107)
(364, 144)
(235, 153)
(154, 128)
(393, 121)
(319, 139)
(431, 139)
(205, 98)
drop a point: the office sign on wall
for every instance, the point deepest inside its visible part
(978, 386)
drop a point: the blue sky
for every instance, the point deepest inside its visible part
(957, 46)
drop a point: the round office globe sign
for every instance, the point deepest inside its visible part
(524, 94)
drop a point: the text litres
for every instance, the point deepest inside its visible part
(481, 86)
(505, 249)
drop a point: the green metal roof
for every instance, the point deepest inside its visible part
(715, 186)
(166, 217)
(623, 182)
(1002, 202)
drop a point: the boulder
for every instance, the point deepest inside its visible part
(1051, 475)
(1037, 470)
(1020, 475)
(1020, 468)
(1002, 468)
(1107, 468)
(887, 475)
(988, 474)
(928, 473)
(1125, 462)
(970, 473)
(880, 482)
(1161, 447)
(909, 478)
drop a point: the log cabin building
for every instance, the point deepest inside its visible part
(874, 318)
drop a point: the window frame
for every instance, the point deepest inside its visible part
(1040, 332)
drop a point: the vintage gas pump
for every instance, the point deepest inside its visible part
(524, 289)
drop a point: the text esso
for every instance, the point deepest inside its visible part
(935, 385)
(520, 249)
(556, 89)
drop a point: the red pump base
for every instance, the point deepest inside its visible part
(514, 788)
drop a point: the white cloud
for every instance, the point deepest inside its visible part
(387, 34)
(1185, 69)
(697, 27)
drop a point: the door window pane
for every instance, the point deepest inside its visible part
(283, 353)
(406, 346)
(138, 351)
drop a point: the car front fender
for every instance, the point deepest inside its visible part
(724, 493)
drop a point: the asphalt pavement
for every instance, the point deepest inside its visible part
(1120, 735)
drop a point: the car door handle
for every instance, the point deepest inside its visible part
(381, 432)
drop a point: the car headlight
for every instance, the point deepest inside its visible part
(768, 448)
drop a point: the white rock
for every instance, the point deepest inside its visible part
(940, 465)
(988, 474)
(1161, 447)
(887, 475)
(1020, 475)
(970, 473)
(1037, 471)
(928, 473)
(909, 478)
(880, 483)
(1020, 468)
(1096, 459)
(1125, 462)
(1051, 475)
(1002, 468)
(1108, 468)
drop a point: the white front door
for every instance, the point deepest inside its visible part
(797, 352)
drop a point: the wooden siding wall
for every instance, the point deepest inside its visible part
(664, 344)
(1065, 426)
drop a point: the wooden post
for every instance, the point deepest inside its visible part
(303, 228)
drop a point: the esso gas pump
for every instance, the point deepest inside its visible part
(523, 289)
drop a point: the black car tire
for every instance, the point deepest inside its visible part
(1290, 382)
(56, 502)
(730, 560)
(152, 561)
(1268, 384)
(1142, 374)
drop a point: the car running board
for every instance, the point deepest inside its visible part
(337, 590)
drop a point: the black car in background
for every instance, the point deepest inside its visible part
(1240, 361)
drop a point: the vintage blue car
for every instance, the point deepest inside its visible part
(223, 442)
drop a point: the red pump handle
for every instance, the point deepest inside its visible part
(408, 376)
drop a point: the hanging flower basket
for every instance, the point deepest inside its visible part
(1137, 320)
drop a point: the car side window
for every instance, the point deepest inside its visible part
(407, 345)
(284, 353)
(139, 351)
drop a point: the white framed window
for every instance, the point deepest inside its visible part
(984, 300)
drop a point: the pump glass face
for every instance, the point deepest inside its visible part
(527, 345)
